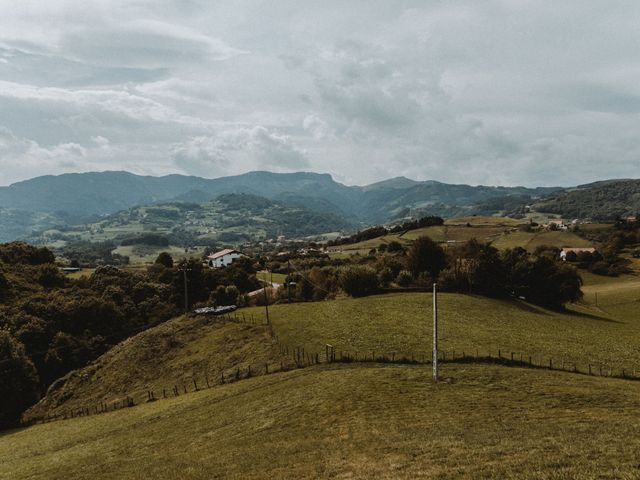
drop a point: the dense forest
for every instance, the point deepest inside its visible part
(50, 324)
(602, 201)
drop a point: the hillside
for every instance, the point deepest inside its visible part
(598, 201)
(355, 421)
(230, 218)
(400, 323)
(71, 199)
(500, 232)
(172, 354)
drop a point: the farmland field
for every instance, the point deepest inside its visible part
(502, 233)
(145, 254)
(400, 323)
(355, 421)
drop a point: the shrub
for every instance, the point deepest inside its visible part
(49, 275)
(425, 255)
(358, 281)
(18, 381)
(165, 259)
(404, 278)
(394, 247)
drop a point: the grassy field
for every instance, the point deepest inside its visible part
(502, 233)
(355, 421)
(401, 323)
(271, 277)
(531, 240)
(145, 254)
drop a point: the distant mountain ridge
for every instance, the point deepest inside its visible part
(604, 200)
(100, 193)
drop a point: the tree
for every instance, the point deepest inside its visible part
(165, 259)
(358, 280)
(18, 380)
(425, 255)
(394, 246)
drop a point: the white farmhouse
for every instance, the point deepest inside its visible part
(223, 258)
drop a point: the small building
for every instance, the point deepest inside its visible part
(556, 225)
(576, 250)
(223, 258)
(281, 238)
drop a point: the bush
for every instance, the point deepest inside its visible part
(165, 259)
(404, 278)
(427, 256)
(18, 381)
(358, 281)
(394, 247)
(49, 276)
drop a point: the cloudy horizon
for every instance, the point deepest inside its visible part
(501, 92)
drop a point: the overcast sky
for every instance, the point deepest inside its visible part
(481, 92)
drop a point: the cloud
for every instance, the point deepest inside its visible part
(239, 150)
(467, 92)
(143, 43)
(19, 155)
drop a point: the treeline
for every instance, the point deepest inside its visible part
(472, 267)
(50, 324)
(378, 231)
(605, 201)
(146, 239)
(85, 253)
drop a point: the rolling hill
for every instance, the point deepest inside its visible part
(356, 421)
(230, 218)
(603, 201)
(80, 198)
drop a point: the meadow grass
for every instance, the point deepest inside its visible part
(401, 323)
(271, 277)
(502, 233)
(147, 254)
(353, 421)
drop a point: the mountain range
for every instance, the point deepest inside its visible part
(69, 199)
(101, 193)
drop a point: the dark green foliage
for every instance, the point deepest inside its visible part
(358, 280)
(165, 259)
(228, 295)
(49, 275)
(540, 278)
(600, 201)
(92, 253)
(147, 239)
(425, 256)
(404, 278)
(23, 253)
(18, 380)
(415, 224)
(394, 247)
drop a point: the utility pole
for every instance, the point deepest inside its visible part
(289, 281)
(434, 360)
(266, 301)
(184, 271)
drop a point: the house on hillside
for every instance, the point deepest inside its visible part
(576, 250)
(223, 258)
(556, 225)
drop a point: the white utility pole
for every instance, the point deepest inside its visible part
(434, 360)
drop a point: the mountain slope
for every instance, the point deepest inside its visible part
(604, 200)
(80, 198)
(174, 353)
(357, 421)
